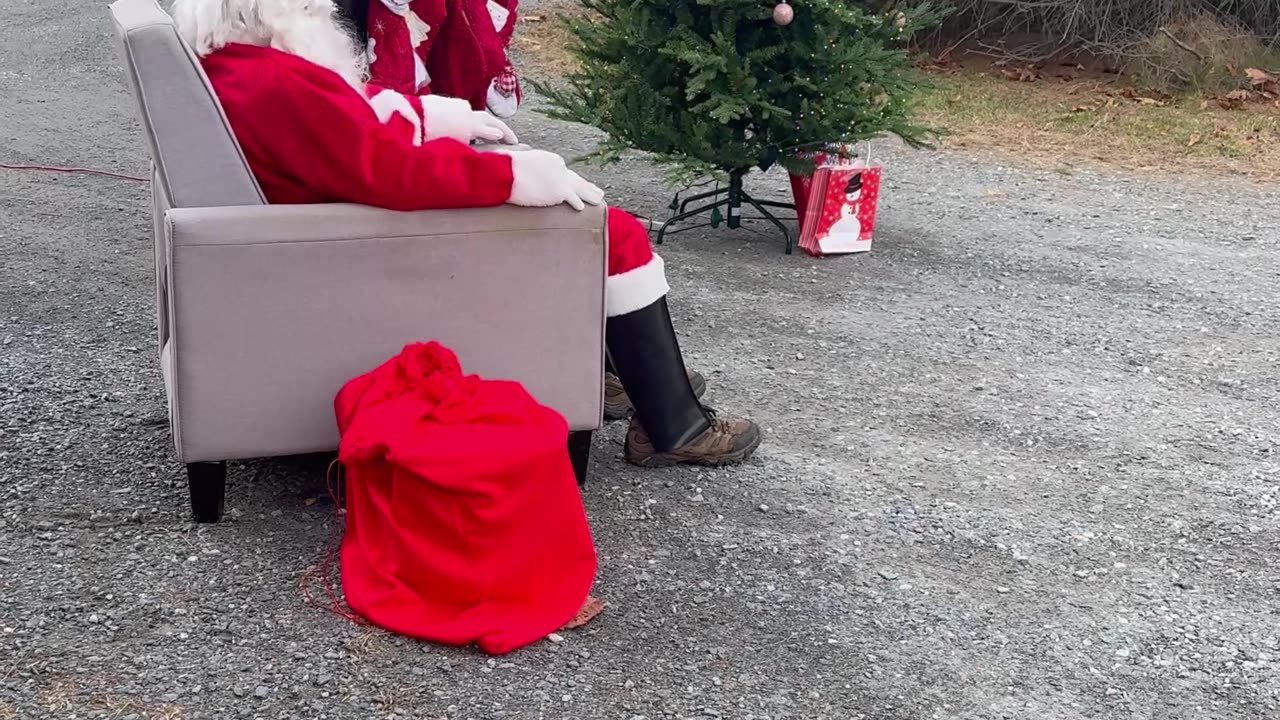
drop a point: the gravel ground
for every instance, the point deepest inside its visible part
(1020, 463)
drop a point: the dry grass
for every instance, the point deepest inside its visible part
(63, 697)
(1198, 54)
(543, 40)
(1067, 123)
(366, 641)
(1047, 121)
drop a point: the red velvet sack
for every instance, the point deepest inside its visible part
(464, 522)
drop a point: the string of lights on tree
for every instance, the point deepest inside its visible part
(721, 85)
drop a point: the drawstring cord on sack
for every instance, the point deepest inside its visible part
(335, 604)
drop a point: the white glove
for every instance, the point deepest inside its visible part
(454, 118)
(541, 179)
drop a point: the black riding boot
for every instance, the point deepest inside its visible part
(645, 356)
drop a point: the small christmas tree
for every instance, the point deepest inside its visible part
(724, 86)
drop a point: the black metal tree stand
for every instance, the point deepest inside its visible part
(731, 197)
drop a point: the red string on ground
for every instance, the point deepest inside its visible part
(325, 570)
(89, 171)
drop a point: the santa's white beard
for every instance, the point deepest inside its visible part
(325, 42)
(306, 28)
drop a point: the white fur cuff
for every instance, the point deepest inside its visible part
(635, 289)
(388, 103)
(447, 117)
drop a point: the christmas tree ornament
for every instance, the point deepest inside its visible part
(900, 21)
(783, 14)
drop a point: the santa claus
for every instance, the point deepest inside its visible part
(294, 89)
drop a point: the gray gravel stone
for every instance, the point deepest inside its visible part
(1033, 374)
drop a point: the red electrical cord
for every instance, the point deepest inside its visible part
(50, 168)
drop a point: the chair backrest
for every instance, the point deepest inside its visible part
(195, 153)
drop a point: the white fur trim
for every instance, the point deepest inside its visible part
(499, 15)
(388, 103)
(447, 117)
(399, 7)
(635, 289)
(421, 77)
(501, 105)
(419, 30)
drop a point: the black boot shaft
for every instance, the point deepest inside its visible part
(644, 354)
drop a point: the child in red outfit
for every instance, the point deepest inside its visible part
(455, 48)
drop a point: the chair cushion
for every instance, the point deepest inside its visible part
(197, 157)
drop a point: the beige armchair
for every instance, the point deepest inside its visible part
(264, 311)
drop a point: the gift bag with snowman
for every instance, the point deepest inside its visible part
(840, 213)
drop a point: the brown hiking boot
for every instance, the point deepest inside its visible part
(617, 406)
(726, 442)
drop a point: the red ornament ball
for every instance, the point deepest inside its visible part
(783, 14)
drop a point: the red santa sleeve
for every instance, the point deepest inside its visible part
(328, 137)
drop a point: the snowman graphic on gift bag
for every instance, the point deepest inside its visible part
(850, 210)
(840, 213)
(848, 228)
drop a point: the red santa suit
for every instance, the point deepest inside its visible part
(309, 137)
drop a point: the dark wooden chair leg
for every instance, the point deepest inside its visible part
(580, 454)
(208, 483)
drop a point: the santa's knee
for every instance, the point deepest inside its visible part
(637, 278)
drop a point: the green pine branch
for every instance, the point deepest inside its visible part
(717, 85)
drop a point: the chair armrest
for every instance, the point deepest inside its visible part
(250, 224)
(273, 307)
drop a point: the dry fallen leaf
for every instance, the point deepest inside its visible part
(1233, 100)
(1260, 77)
(531, 19)
(1083, 108)
(1027, 73)
(590, 609)
(1194, 140)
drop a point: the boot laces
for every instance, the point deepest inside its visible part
(717, 424)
